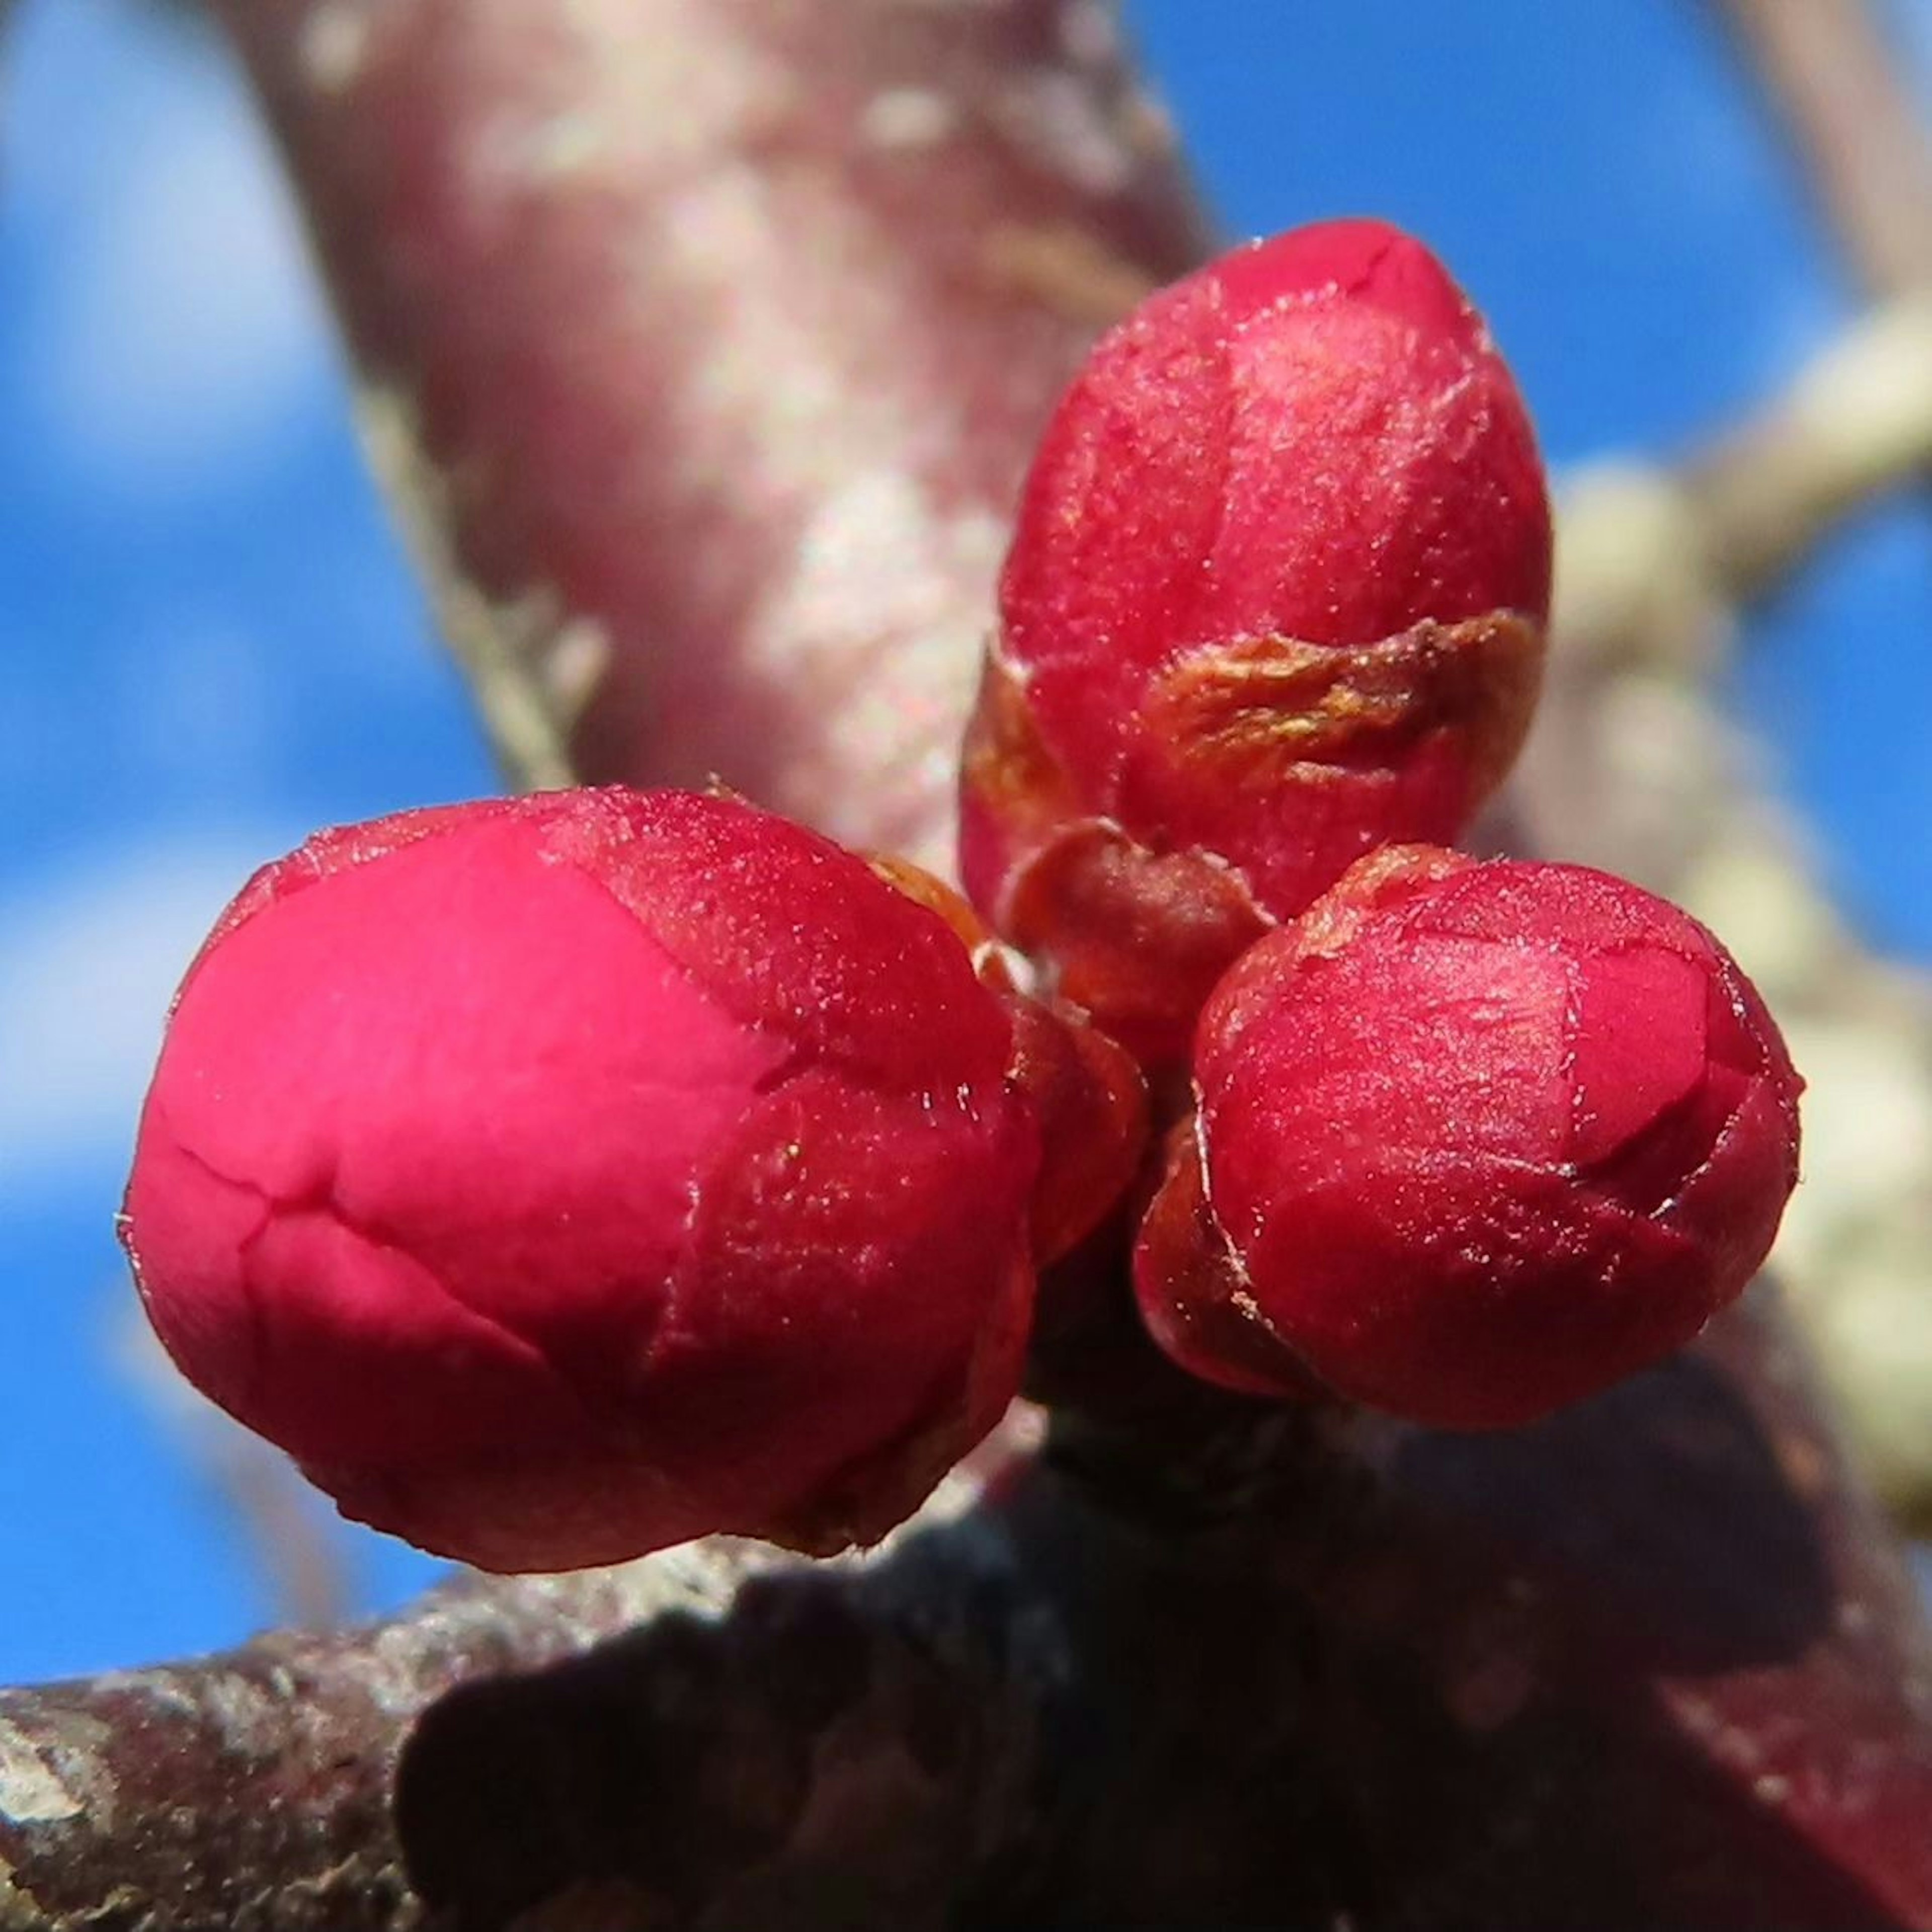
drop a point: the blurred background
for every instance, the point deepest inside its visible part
(209, 642)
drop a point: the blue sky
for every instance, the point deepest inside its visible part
(210, 643)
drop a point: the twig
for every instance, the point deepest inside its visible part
(1648, 1665)
(1856, 127)
(1632, 766)
(252, 1790)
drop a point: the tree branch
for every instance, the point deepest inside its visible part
(1649, 1664)
(253, 1789)
(879, 236)
(1855, 125)
(1634, 766)
(1653, 1664)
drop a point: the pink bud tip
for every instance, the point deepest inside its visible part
(560, 1178)
(1472, 1141)
(1276, 596)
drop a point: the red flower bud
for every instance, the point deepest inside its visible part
(1276, 596)
(1472, 1140)
(561, 1177)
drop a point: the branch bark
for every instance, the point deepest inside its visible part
(1650, 1664)
(864, 247)
(1654, 1663)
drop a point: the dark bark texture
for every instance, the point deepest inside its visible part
(1650, 1664)
(711, 334)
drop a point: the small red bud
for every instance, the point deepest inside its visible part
(562, 1178)
(1472, 1141)
(1276, 596)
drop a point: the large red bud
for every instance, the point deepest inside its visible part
(561, 1177)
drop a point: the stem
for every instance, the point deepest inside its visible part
(1855, 425)
(1649, 1664)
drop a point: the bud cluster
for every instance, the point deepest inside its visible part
(559, 1178)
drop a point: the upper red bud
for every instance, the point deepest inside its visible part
(561, 1177)
(1472, 1140)
(1276, 596)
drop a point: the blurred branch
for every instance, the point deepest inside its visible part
(1633, 767)
(1855, 125)
(1854, 423)
(1656, 568)
(298, 1545)
(1658, 557)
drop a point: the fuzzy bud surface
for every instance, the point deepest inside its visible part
(560, 1178)
(1472, 1141)
(1276, 596)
